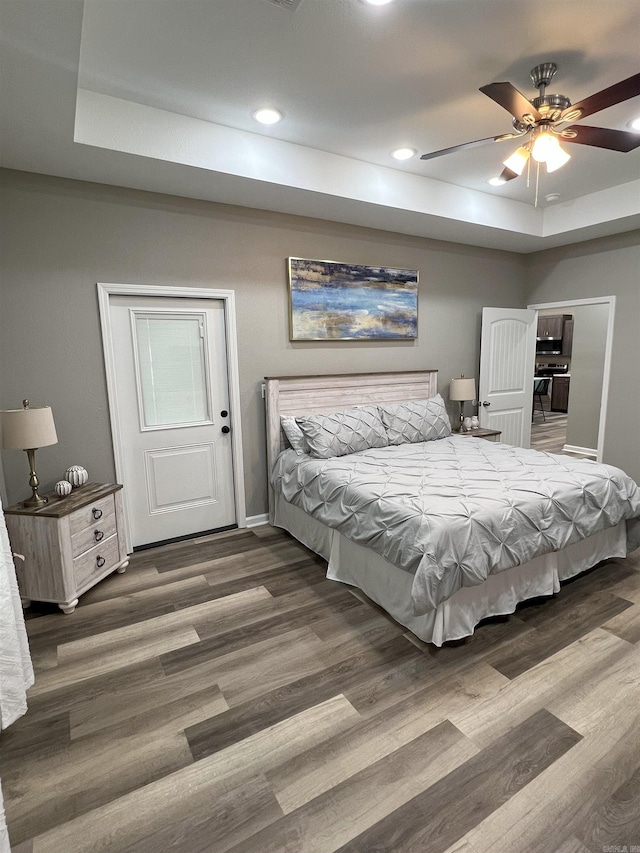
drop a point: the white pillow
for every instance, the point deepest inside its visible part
(418, 420)
(294, 434)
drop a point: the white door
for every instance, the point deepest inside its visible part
(173, 415)
(507, 364)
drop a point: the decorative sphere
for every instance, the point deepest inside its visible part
(63, 488)
(76, 475)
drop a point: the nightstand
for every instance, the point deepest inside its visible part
(480, 432)
(69, 544)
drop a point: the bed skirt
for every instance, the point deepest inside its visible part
(457, 617)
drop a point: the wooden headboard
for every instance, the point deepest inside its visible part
(303, 395)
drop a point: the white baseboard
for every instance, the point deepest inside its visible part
(257, 520)
(585, 451)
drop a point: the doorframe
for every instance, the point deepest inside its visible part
(227, 297)
(604, 398)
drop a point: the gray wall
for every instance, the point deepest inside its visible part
(587, 374)
(61, 237)
(606, 267)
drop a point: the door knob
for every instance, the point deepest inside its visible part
(226, 429)
(485, 404)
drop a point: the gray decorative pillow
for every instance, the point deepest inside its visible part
(419, 420)
(294, 434)
(344, 432)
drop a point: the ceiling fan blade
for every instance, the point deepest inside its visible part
(615, 94)
(602, 137)
(512, 100)
(473, 144)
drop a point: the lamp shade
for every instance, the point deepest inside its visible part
(518, 160)
(556, 159)
(28, 429)
(544, 146)
(462, 389)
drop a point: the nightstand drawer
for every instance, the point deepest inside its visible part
(93, 512)
(97, 561)
(98, 531)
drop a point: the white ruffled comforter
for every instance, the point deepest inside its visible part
(16, 671)
(454, 510)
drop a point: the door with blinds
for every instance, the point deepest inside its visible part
(172, 387)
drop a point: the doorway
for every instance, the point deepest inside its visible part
(172, 382)
(583, 377)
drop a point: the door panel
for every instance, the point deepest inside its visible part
(181, 477)
(172, 388)
(507, 358)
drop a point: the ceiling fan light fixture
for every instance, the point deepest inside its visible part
(518, 160)
(544, 147)
(556, 159)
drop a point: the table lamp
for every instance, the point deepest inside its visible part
(28, 429)
(462, 389)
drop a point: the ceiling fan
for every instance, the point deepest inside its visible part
(543, 121)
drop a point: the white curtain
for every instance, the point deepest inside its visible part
(16, 670)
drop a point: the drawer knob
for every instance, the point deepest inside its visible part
(98, 535)
(100, 561)
(97, 513)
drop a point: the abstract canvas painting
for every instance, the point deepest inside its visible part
(335, 301)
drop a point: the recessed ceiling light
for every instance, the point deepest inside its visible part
(635, 124)
(267, 115)
(404, 153)
(497, 182)
(377, 2)
(552, 197)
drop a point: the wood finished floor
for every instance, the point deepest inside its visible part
(222, 695)
(549, 434)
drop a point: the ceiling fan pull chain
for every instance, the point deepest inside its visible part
(535, 203)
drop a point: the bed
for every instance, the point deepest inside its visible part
(441, 530)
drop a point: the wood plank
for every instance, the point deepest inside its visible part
(317, 770)
(555, 805)
(626, 624)
(559, 628)
(471, 792)
(276, 705)
(112, 613)
(228, 820)
(336, 817)
(596, 699)
(192, 790)
(558, 679)
(102, 712)
(219, 644)
(617, 821)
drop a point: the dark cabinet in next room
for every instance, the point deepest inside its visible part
(560, 393)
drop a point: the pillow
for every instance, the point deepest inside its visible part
(419, 420)
(344, 432)
(294, 434)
